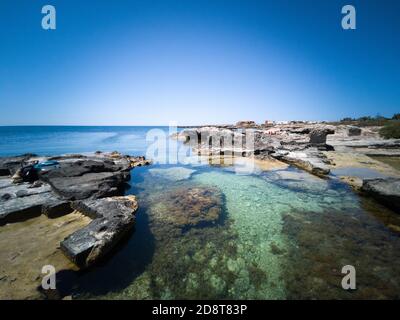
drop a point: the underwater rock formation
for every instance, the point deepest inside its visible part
(183, 208)
(173, 174)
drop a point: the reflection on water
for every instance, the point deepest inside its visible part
(392, 161)
(273, 235)
(362, 173)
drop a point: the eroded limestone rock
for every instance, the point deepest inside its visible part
(112, 218)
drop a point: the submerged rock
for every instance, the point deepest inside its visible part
(384, 190)
(299, 181)
(113, 218)
(183, 208)
(173, 174)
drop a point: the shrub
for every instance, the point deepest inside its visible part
(391, 130)
(396, 116)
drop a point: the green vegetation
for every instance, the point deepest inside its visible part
(391, 130)
(368, 121)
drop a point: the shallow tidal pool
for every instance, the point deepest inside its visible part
(206, 232)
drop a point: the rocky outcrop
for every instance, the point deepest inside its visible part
(384, 190)
(112, 218)
(318, 135)
(353, 131)
(93, 185)
(296, 144)
(10, 165)
(310, 160)
(21, 202)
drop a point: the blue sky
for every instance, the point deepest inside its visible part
(196, 61)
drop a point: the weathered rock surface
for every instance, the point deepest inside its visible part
(21, 202)
(9, 165)
(81, 182)
(353, 131)
(297, 144)
(112, 218)
(384, 190)
(318, 135)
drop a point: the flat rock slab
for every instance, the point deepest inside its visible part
(312, 161)
(384, 190)
(95, 185)
(113, 218)
(21, 202)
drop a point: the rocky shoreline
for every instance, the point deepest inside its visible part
(79, 201)
(92, 185)
(310, 146)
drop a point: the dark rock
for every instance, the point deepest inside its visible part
(56, 208)
(353, 131)
(5, 196)
(9, 165)
(89, 185)
(384, 190)
(182, 208)
(318, 135)
(80, 167)
(113, 218)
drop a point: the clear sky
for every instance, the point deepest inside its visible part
(196, 61)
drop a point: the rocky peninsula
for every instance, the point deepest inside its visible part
(326, 150)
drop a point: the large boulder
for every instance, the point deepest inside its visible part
(384, 190)
(78, 179)
(89, 185)
(113, 218)
(353, 131)
(318, 135)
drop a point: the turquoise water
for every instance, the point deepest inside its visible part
(206, 232)
(281, 234)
